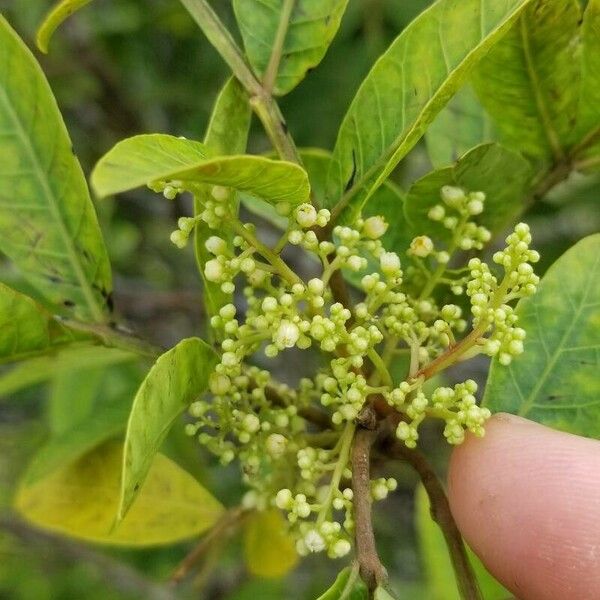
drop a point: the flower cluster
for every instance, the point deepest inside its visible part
(269, 427)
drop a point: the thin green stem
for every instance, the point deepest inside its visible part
(268, 112)
(336, 478)
(380, 367)
(262, 102)
(441, 268)
(219, 36)
(270, 75)
(284, 271)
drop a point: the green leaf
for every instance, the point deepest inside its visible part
(529, 82)
(589, 100)
(407, 87)
(52, 21)
(80, 501)
(347, 586)
(28, 329)
(460, 126)
(439, 574)
(588, 123)
(555, 381)
(71, 359)
(99, 412)
(501, 173)
(297, 31)
(47, 222)
(144, 159)
(269, 550)
(227, 133)
(175, 380)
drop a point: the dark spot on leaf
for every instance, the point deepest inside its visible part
(69, 303)
(53, 279)
(136, 487)
(350, 181)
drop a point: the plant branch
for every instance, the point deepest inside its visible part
(219, 36)
(441, 514)
(372, 571)
(261, 101)
(270, 75)
(223, 528)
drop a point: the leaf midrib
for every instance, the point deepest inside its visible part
(51, 201)
(400, 141)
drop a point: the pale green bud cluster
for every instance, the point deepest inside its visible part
(456, 212)
(250, 417)
(489, 299)
(456, 406)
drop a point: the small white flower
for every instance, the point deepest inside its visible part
(286, 335)
(452, 196)
(390, 263)
(314, 541)
(437, 212)
(316, 286)
(219, 193)
(219, 384)
(375, 227)
(341, 548)
(421, 246)
(179, 238)
(213, 270)
(306, 215)
(276, 445)
(215, 245)
(251, 423)
(475, 207)
(283, 499)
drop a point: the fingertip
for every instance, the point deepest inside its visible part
(527, 500)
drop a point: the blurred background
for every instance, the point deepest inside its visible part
(122, 67)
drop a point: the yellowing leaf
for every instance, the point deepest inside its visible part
(268, 548)
(59, 13)
(143, 159)
(81, 500)
(529, 82)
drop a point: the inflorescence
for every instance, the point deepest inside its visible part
(265, 425)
